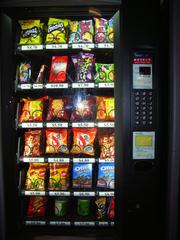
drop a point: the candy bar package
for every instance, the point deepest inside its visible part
(110, 212)
(106, 143)
(57, 31)
(24, 72)
(58, 69)
(74, 32)
(82, 175)
(83, 108)
(59, 176)
(57, 141)
(37, 207)
(32, 139)
(106, 175)
(83, 64)
(104, 32)
(35, 179)
(58, 109)
(83, 141)
(105, 108)
(32, 110)
(31, 32)
(42, 74)
(104, 72)
(101, 208)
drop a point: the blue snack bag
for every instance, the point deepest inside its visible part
(105, 175)
(82, 175)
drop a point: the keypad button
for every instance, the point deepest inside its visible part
(144, 108)
(150, 118)
(144, 117)
(150, 93)
(144, 103)
(136, 93)
(144, 93)
(137, 103)
(150, 107)
(137, 107)
(150, 122)
(150, 103)
(144, 98)
(137, 122)
(144, 113)
(150, 98)
(137, 112)
(137, 98)
(137, 117)
(144, 122)
(150, 112)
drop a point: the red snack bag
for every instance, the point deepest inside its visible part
(110, 211)
(83, 108)
(105, 108)
(57, 141)
(83, 141)
(37, 206)
(32, 143)
(58, 69)
(57, 109)
(107, 144)
(32, 110)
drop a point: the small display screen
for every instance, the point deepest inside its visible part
(145, 70)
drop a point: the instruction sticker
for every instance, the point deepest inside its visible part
(143, 145)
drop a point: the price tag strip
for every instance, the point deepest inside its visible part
(59, 193)
(58, 223)
(105, 45)
(56, 85)
(37, 86)
(32, 159)
(83, 45)
(84, 160)
(106, 194)
(106, 160)
(103, 224)
(31, 125)
(58, 160)
(56, 46)
(35, 193)
(105, 124)
(31, 47)
(83, 124)
(84, 194)
(57, 125)
(84, 224)
(24, 86)
(106, 85)
(39, 223)
(83, 85)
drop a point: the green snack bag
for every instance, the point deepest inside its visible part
(104, 72)
(57, 31)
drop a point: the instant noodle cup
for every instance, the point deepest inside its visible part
(35, 179)
(104, 72)
(57, 31)
(75, 35)
(105, 108)
(37, 207)
(59, 176)
(107, 144)
(57, 141)
(58, 69)
(32, 110)
(30, 32)
(83, 141)
(101, 26)
(32, 141)
(86, 31)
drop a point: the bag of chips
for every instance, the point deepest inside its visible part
(105, 175)
(110, 38)
(83, 108)
(37, 207)
(86, 31)
(32, 110)
(83, 64)
(82, 175)
(59, 176)
(110, 211)
(30, 32)
(75, 35)
(105, 108)
(32, 143)
(101, 26)
(83, 141)
(57, 141)
(104, 72)
(57, 31)
(35, 179)
(58, 109)
(58, 69)
(101, 208)
(24, 72)
(107, 144)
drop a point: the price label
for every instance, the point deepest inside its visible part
(106, 85)
(57, 223)
(25, 86)
(39, 223)
(59, 193)
(83, 45)
(56, 85)
(84, 160)
(35, 193)
(56, 46)
(31, 47)
(84, 224)
(37, 86)
(106, 160)
(33, 159)
(84, 194)
(83, 124)
(105, 45)
(103, 224)
(57, 125)
(58, 160)
(83, 85)
(106, 194)
(32, 125)
(106, 124)
(112, 224)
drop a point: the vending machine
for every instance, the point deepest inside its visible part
(81, 115)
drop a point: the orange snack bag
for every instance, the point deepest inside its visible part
(32, 143)
(105, 108)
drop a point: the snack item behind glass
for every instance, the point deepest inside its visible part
(42, 74)
(59, 176)
(74, 35)
(86, 31)
(32, 110)
(83, 141)
(35, 179)
(104, 72)
(83, 108)
(57, 141)
(37, 207)
(101, 26)
(58, 69)
(57, 31)
(110, 31)
(105, 108)
(101, 208)
(110, 212)
(83, 64)
(32, 143)
(58, 109)
(83, 208)
(30, 32)
(24, 72)
(105, 175)
(60, 206)
(107, 144)
(82, 175)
